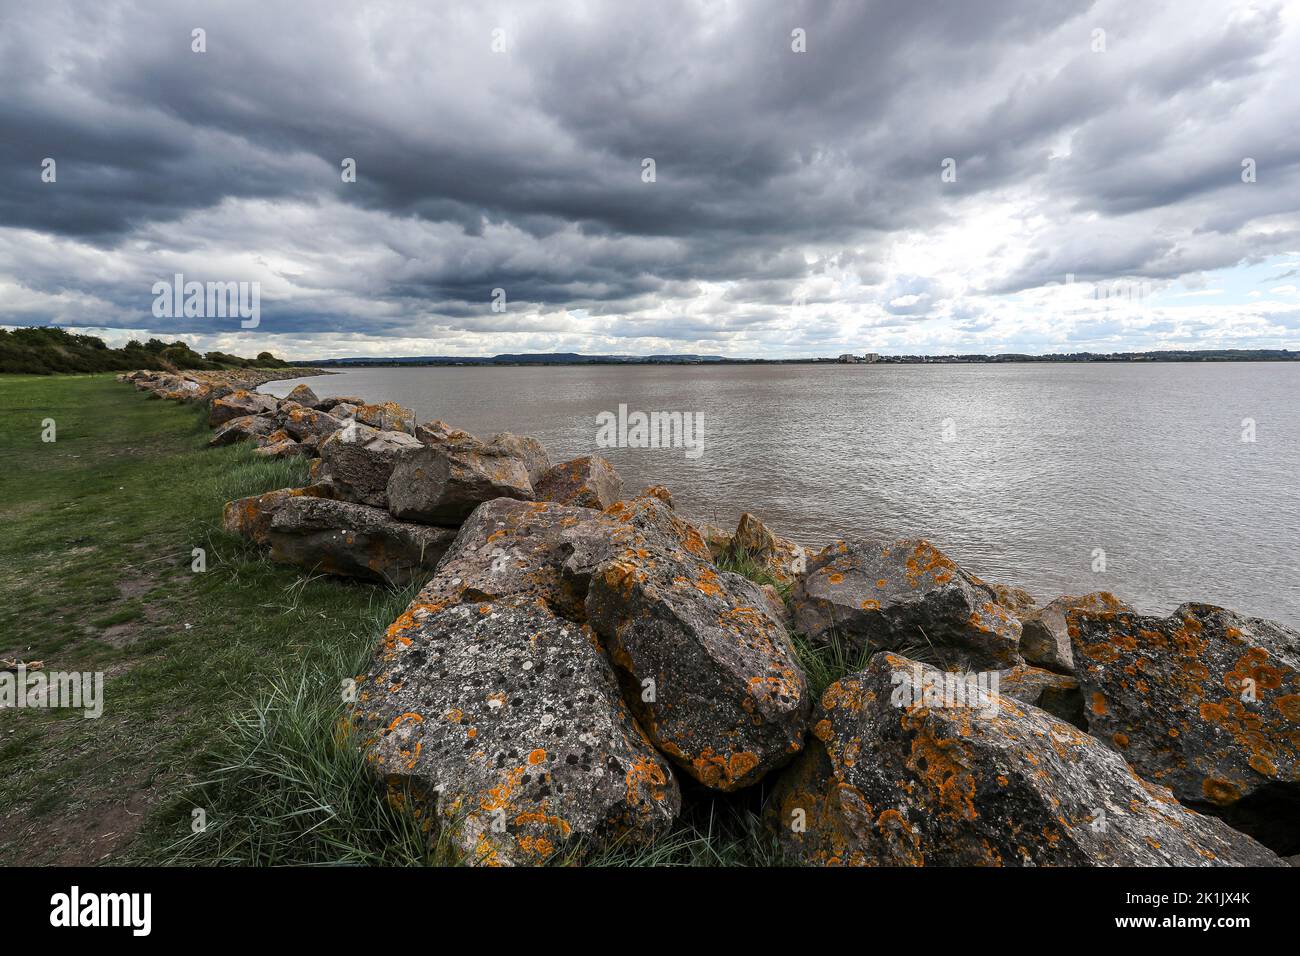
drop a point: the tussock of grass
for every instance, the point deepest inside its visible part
(286, 784)
(747, 566)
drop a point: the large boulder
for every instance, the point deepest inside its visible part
(533, 548)
(238, 404)
(244, 428)
(303, 422)
(353, 540)
(443, 482)
(1205, 702)
(588, 482)
(537, 461)
(710, 672)
(387, 417)
(333, 401)
(1044, 634)
(903, 770)
(359, 460)
(303, 395)
(904, 596)
(502, 727)
(251, 517)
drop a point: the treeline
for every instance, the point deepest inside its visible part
(45, 350)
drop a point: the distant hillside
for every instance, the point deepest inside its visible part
(46, 351)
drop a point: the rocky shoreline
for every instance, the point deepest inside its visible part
(579, 663)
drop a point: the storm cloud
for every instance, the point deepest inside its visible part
(798, 204)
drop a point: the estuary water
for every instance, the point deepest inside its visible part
(1164, 483)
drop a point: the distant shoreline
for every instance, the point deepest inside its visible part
(1075, 358)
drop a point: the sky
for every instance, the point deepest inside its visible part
(897, 177)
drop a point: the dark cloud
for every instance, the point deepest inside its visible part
(781, 177)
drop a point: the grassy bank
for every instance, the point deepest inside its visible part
(95, 575)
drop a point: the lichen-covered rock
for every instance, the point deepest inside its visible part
(442, 483)
(533, 548)
(278, 444)
(303, 422)
(354, 540)
(437, 432)
(387, 417)
(238, 404)
(303, 395)
(1016, 600)
(711, 674)
(781, 558)
(1045, 636)
(658, 491)
(244, 428)
(359, 460)
(1058, 694)
(251, 517)
(658, 526)
(588, 482)
(902, 595)
(718, 540)
(1205, 702)
(537, 461)
(503, 725)
(331, 402)
(887, 780)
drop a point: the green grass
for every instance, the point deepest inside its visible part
(95, 575)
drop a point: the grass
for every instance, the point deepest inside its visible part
(222, 689)
(95, 575)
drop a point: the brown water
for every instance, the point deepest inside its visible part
(1044, 463)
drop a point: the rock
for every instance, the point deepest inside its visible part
(354, 540)
(333, 401)
(528, 449)
(656, 525)
(589, 482)
(1016, 600)
(343, 411)
(1205, 702)
(241, 429)
(904, 595)
(504, 727)
(303, 395)
(709, 672)
(718, 540)
(781, 558)
(438, 432)
(251, 517)
(1044, 635)
(359, 461)
(658, 491)
(891, 782)
(282, 447)
(533, 548)
(238, 404)
(305, 423)
(387, 417)
(442, 483)
(1058, 694)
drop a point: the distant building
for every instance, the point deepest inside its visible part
(871, 357)
(846, 358)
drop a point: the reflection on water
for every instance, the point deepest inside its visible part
(1020, 472)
